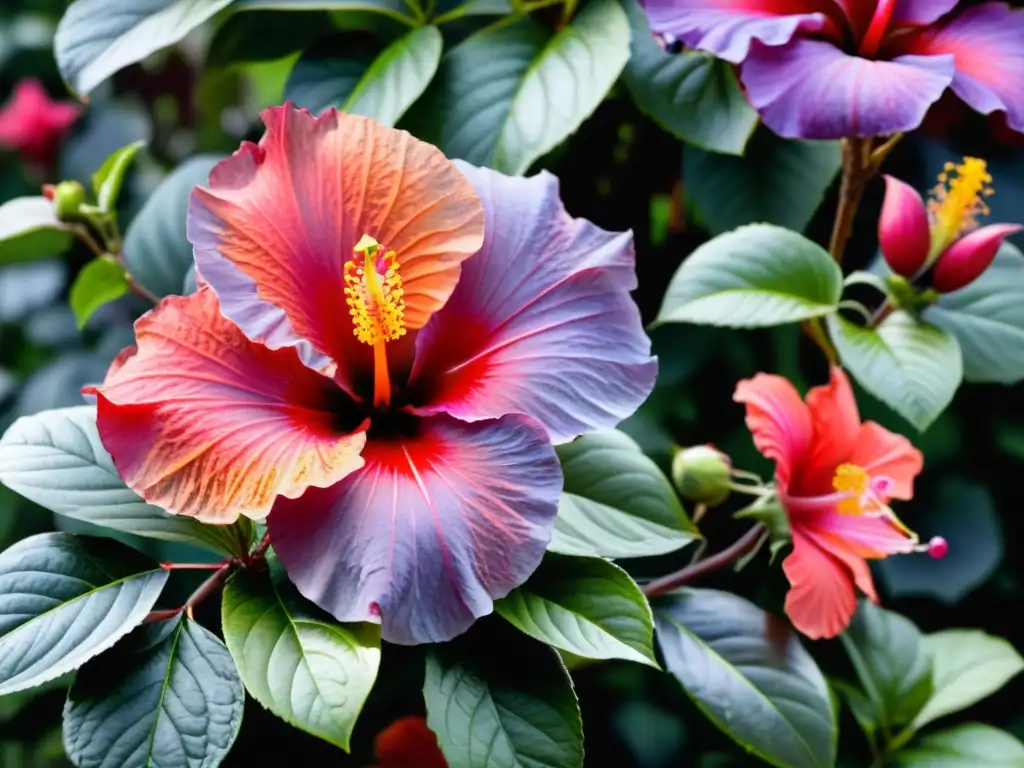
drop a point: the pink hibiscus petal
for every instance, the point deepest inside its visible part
(882, 453)
(435, 527)
(821, 599)
(861, 535)
(541, 321)
(835, 424)
(202, 422)
(779, 421)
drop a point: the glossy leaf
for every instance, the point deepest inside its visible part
(156, 251)
(101, 281)
(690, 94)
(968, 665)
(513, 709)
(733, 191)
(107, 181)
(749, 675)
(395, 9)
(616, 502)
(972, 745)
(759, 275)
(296, 660)
(586, 606)
(891, 663)
(65, 599)
(355, 76)
(509, 94)
(29, 230)
(167, 694)
(56, 459)
(96, 38)
(912, 366)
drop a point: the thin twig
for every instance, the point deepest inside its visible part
(723, 559)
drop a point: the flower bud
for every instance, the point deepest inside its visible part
(966, 259)
(702, 474)
(68, 197)
(903, 232)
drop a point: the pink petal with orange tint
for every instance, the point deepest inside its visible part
(202, 422)
(863, 535)
(779, 421)
(885, 454)
(835, 424)
(821, 600)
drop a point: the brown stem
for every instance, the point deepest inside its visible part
(726, 557)
(858, 169)
(207, 588)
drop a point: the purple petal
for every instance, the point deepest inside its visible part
(921, 11)
(812, 90)
(541, 321)
(988, 43)
(726, 27)
(433, 529)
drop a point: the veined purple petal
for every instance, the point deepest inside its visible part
(541, 321)
(727, 27)
(810, 89)
(433, 529)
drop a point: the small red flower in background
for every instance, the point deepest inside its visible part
(943, 234)
(408, 743)
(835, 477)
(33, 124)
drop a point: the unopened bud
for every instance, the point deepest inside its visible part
(702, 474)
(903, 228)
(68, 197)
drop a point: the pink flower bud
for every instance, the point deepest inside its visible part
(33, 124)
(903, 228)
(966, 259)
(937, 547)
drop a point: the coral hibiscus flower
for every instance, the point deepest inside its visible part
(827, 69)
(835, 477)
(382, 351)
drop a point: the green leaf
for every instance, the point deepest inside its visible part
(507, 95)
(692, 95)
(395, 9)
(106, 182)
(912, 366)
(749, 675)
(296, 660)
(968, 665)
(56, 459)
(759, 275)
(987, 318)
(972, 745)
(616, 502)
(29, 230)
(510, 709)
(860, 705)
(264, 36)
(168, 693)
(347, 72)
(96, 38)
(733, 191)
(156, 251)
(586, 606)
(68, 598)
(101, 281)
(892, 664)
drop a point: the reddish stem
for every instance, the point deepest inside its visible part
(726, 557)
(194, 566)
(207, 588)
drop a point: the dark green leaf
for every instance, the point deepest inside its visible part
(692, 95)
(294, 659)
(68, 598)
(586, 606)
(395, 9)
(749, 674)
(860, 705)
(972, 745)
(508, 95)
(262, 36)
(96, 38)
(912, 366)
(760, 275)
(968, 665)
(106, 182)
(616, 502)
(167, 694)
(354, 75)
(101, 281)
(510, 709)
(56, 459)
(156, 250)
(29, 230)
(891, 663)
(733, 191)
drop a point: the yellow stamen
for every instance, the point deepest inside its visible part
(957, 202)
(850, 478)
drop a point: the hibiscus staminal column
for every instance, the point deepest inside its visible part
(957, 202)
(373, 290)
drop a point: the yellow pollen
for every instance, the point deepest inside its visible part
(957, 201)
(373, 292)
(850, 478)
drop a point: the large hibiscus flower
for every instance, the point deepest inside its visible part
(383, 349)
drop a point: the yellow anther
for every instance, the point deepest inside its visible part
(957, 201)
(850, 478)
(373, 292)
